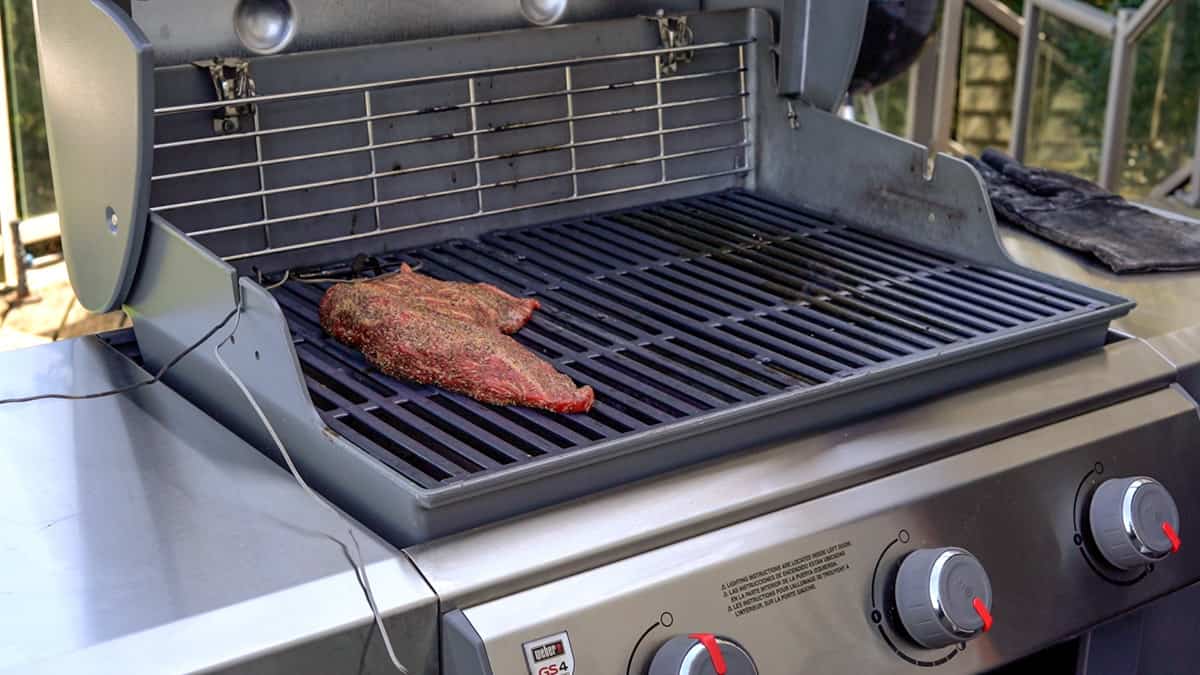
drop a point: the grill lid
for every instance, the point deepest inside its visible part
(100, 130)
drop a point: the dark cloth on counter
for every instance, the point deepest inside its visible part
(1081, 215)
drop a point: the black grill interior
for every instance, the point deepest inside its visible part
(670, 311)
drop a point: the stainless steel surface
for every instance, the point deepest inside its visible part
(265, 26)
(832, 614)
(949, 52)
(140, 536)
(1167, 302)
(872, 179)
(816, 44)
(543, 12)
(185, 30)
(1027, 48)
(1182, 348)
(1081, 14)
(497, 560)
(936, 105)
(922, 97)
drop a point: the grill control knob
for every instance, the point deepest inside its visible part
(1134, 522)
(943, 596)
(702, 654)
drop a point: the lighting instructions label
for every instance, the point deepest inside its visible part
(785, 581)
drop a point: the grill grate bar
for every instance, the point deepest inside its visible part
(669, 311)
(839, 264)
(836, 280)
(384, 446)
(604, 299)
(798, 283)
(414, 422)
(484, 445)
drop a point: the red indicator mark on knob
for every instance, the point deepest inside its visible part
(982, 610)
(1172, 535)
(714, 650)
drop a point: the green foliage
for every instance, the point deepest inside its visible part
(35, 186)
(1162, 119)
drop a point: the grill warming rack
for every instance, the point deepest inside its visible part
(725, 266)
(479, 142)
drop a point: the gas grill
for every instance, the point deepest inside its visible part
(730, 265)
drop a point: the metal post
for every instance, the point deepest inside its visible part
(10, 243)
(922, 97)
(13, 246)
(949, 52)
(1081, 14)
(1145, 16)
(1023, 89)
(999, 14)
(1116, 112)
(1193, 198)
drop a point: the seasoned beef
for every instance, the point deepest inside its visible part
(400, 335)
(481, 304)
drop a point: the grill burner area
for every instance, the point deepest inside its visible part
(671, 311)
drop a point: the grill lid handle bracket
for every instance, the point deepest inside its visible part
(816, 43)
(98, 93)
(232, 81)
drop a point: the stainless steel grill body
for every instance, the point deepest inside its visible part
(698, 269)
(802, 331)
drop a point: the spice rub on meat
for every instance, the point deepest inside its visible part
(452, 335)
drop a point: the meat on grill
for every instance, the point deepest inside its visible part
(401, 336)
(481, 304)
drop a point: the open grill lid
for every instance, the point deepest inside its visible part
(104, 179)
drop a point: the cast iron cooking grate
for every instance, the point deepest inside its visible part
(670, 311)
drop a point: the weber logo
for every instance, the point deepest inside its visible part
(548, 651)
(550, 655)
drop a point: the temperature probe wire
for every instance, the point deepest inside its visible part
(360, 567)
(162, 372)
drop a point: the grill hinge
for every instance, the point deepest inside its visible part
(674, 33)
(232, 81)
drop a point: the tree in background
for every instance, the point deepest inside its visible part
(1162, 118)
(35, 185)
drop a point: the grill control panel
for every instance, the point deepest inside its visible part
(904, 572)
